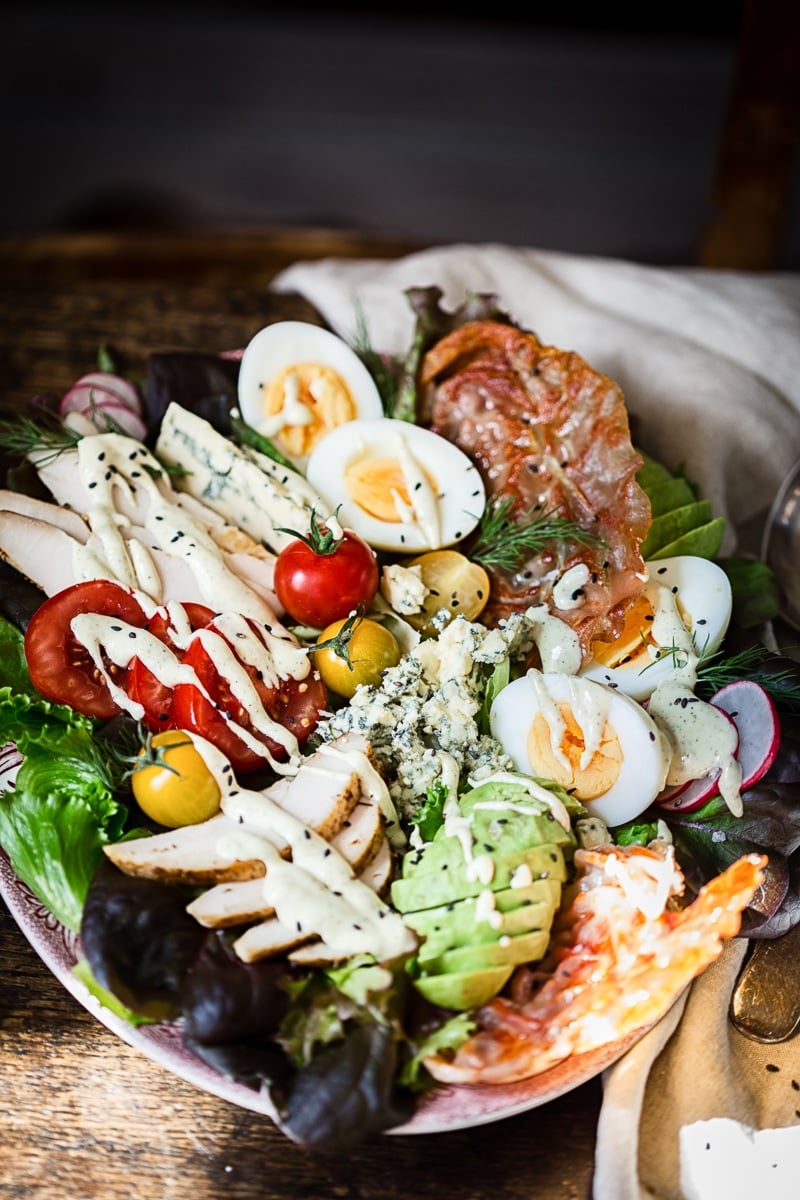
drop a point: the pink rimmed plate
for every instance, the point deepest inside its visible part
(445, 1109)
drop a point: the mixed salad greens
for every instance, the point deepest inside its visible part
(340, 1047)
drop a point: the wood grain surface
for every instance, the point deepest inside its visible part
(84, 1115)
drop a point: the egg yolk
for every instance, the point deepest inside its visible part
(634, 640)
(321, 403)
(585, 782)
(378, 486)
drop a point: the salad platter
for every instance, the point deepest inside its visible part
(653, 820)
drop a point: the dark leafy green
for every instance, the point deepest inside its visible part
(754, 590)
(139, 939)
(346, 1094)
(226, 1000)
(204, 383)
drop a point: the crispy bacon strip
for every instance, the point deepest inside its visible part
(614, 970)
(545, 428)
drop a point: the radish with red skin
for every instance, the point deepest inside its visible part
(753, 712)
(101, 387)
(98, 396)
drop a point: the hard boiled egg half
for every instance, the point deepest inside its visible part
(298, 381)
(593, 741)
(400, 486)
(685, 606)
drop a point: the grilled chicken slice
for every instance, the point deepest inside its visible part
(270, 937)
(40, 551)
(267, 940)
(189, 855)
(43, 510)
(41, 541)
(322, 795)
(360, 841)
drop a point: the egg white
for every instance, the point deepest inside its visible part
(459, 494)
(645, 757)
(704, 593)
(289, 343)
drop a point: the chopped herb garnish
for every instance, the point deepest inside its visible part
(506, 542)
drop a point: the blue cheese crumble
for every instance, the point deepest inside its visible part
(430, 702)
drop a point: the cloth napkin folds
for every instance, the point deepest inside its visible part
(709, 362)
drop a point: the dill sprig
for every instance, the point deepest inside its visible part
(48, 440)
(382, 368)
(506, 543)
(782, 683)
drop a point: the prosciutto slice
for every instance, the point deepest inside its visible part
(547, 430)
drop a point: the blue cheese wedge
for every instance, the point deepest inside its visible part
(248, 489)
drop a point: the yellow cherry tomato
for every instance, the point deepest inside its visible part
(454, 583)
(366, 648)
(172, 784)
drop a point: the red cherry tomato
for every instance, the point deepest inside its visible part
(317, 588)
(141, 685)
(60, 667)
(295, 704)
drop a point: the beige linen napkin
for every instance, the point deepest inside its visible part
(710, 366)
(717, 1113)
(709, 361)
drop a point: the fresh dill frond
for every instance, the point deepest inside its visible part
(382, 368)
(782, 683)
(506, 543)
(47, 439)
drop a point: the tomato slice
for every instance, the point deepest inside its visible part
(142, 685)
(295, 704)
(60, 668)
(160, 624)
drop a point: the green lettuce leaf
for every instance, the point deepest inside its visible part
(62, 807)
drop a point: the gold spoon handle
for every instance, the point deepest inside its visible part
(765, 1004)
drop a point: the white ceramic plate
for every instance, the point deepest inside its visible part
(445, 1109)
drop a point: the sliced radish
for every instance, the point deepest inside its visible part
(753, 712)
(752, 708)
(101, 387)
(109, 417)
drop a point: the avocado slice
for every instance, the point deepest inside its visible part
(669, 494)
(464, 990)
(703, 542)
(671, 525)
(447, 876)
(651, 472)
(528, 918)
(511, 951)
(502, 821)
(461, 924)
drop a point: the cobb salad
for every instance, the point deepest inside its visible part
(385, 722)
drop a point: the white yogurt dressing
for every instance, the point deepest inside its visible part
(698, 738)
(316, 891)
(701, 738)
(423, 509)
(111, 640)
(117, 472)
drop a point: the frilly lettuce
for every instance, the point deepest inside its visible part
(62, 807)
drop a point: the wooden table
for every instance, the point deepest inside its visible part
(83, 1114)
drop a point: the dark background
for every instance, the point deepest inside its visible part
(559, 126)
